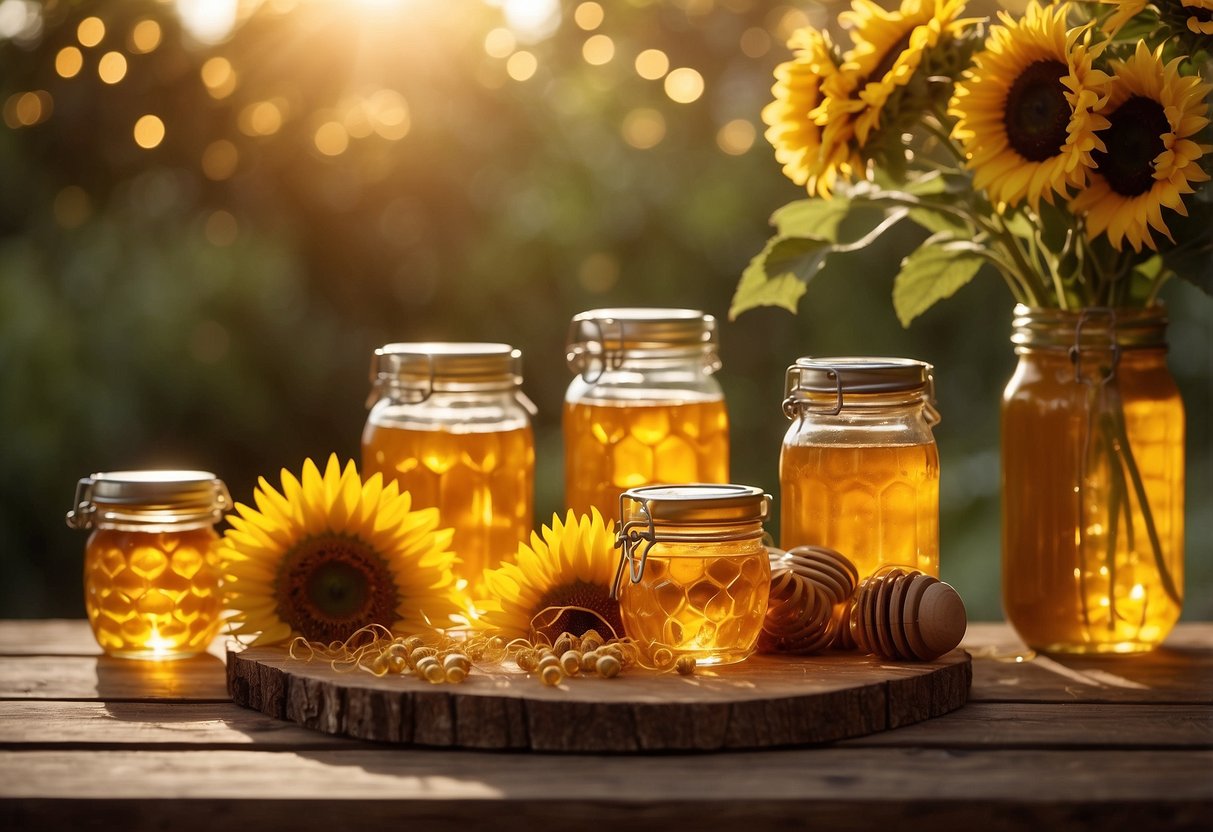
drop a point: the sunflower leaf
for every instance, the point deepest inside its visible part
(771, 278)
(812, 218)
(932, 272)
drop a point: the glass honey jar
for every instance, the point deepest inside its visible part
(697, 572)
(859, 468)
(1092, 482)
(644, 407)
(151, 566)
(450, 424)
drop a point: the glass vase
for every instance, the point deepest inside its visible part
(1093, 482)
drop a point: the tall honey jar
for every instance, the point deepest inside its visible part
(859, 468)
(644, 407)
(151, 566)
(450, 424)
(694, 575)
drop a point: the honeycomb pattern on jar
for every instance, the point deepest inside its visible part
(876, 504)
(711, 608)
(153, 594)
(610, 448)
(481, 483)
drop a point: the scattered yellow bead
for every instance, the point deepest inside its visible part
(397, 664)
(663, 657)
(456, 674)
(608, 666)
(589, 660)
(563, 645)
(570, 662)
(685, 665)
(527, 660)
(551, 675)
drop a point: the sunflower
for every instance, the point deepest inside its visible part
(1198, 14)
(560, 583)
(1026, 111)
(792, 131)
(330, 555)
(1194, 16)
(1125, 11)
(1150, 160)
(888, 48)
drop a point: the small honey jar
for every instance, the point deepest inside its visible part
(859, 469)
(151, 569)
(644, 407)
(698, 574)
(450, 424)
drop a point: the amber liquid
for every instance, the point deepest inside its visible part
(609, 448)
(1076, 577)
(876, 504)
(480, 482)
(152, 595)
(711, 608)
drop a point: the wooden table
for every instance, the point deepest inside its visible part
(88, 742)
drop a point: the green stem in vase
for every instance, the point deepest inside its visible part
(1123, 449)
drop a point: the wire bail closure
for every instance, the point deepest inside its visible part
(1075, 351)
(791, 383)
(382, 382)
(629, 536)
(580, 357)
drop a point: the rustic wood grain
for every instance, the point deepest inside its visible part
(184, 725)
(833, 787)
(767, 701)
(101, 677)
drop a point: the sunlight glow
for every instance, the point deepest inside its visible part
(219, 77)
(643, 128)
(652, 64)
(331, 138)
(208, 21)
(589, 16)
(684, 85)
(533, 20)
(499, 43)
(521, 65)
(598, 50)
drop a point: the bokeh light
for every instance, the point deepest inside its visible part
(112, 67)
(736, 137)
(684, 85)
(499, 43)
(755, 42)
(219, 160)
(149, 131)
(69, 61)
(219, 77)
(643, 128)
(521, 65)
(652, 64)
(90, 31)
(25, 109)
(598, 273)
(261, 118)
(72, 207)
(221, 228)
(598, 50)
(145, 37)
(331, 138)
(588, 15)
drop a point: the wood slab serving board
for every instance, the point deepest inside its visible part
(765, 702)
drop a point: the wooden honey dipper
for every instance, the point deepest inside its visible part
(811, 587)
(902, 614)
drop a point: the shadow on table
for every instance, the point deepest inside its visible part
(197, 679)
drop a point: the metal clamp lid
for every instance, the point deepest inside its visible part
(414, 370)
(599, 340)
(149, 496)
(661, 513)
(840, 377)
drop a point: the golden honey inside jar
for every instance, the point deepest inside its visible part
(151, 569)
(450, 425)
(694, 575)
(859, 468)
(644, 407)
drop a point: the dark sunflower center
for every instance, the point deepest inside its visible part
(552, 618)
(1036, 112)
(330, 586)
(1133, 141)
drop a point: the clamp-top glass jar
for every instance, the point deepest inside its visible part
(644, 407)
(859, 469)
(450, 424)
(151, 566)
(698, 574)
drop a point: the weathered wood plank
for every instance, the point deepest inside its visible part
(157, 725)
(989, 726)
(86, 677)
(47, 637)
(768, 701)
(993, 790)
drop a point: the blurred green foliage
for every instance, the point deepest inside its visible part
(154, 315)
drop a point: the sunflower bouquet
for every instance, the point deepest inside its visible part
(1062, 148)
